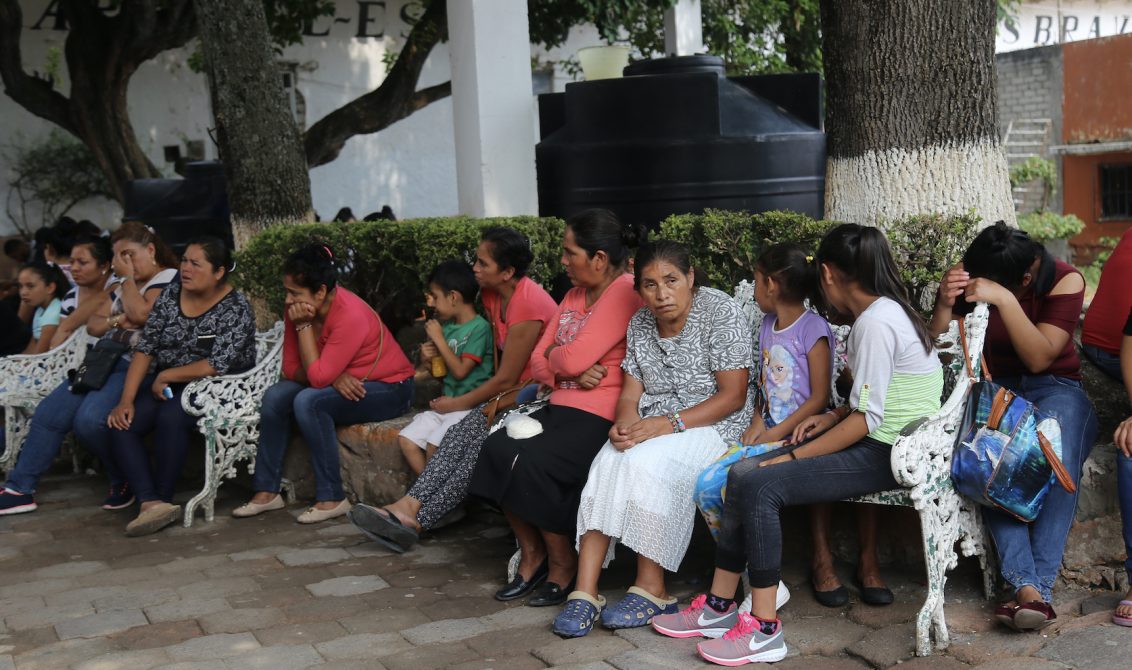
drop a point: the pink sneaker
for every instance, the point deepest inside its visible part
(745, 643)
(696, 620)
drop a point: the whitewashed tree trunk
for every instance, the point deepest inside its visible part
(911, 111)
(260, 145)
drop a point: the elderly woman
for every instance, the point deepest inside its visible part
(341, 366)
(199, 327)
(683, 396)
(144, 266)
(538, 480)
(1035, 303)
(519, 311)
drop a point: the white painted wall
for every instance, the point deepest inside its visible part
(410, 166)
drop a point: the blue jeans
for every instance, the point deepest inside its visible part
(318, 411)
(62, 412)
(1108, 363)
(170, 444)
(1124, 491)
(1030, 554)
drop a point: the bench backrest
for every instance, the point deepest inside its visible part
(265, 340)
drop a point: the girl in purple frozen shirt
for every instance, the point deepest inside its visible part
(795, 368)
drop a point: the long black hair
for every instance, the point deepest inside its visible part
(600, 230)
(1004, 255)
(861, 254)
(49, 273)
(312, 267)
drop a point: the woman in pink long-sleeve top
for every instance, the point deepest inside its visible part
(341, 365)
(537, 481)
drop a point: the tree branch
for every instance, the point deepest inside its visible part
(394, 100)
(36, 95)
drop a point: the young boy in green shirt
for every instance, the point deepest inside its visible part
(463, 341)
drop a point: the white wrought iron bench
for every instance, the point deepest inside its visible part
(921, 464)
(228, 407)
(25, 379)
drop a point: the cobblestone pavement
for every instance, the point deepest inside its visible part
(270, 593)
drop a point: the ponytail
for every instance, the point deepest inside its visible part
(794, 269)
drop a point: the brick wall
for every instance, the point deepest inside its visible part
(1030, 87)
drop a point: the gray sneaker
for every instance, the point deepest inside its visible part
(696, 620)
(745, 643)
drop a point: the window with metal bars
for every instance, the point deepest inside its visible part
(1116, 191)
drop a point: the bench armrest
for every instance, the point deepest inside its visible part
(237, 396)
(39, 374)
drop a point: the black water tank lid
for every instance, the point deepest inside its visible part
(677, 65)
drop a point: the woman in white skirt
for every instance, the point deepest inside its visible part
(684, 395)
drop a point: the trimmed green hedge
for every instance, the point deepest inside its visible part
(726, 244)
(386, 262)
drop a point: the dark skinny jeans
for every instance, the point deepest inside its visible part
(170, 443)
(750, 533)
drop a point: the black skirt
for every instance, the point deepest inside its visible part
(540, 479)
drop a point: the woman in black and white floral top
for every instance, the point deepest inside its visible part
(199, 327)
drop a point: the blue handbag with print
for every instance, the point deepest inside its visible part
(1008, 453)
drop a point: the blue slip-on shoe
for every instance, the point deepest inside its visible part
(14, 502)
(120, 497)
(579, 615)
(636, 609)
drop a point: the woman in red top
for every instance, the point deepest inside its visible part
(519, 311)
(341, 365)
(538, 479)
(1035, 303)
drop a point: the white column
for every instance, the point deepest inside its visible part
(684, 29)
(493, 107)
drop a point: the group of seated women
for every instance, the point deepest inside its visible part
(657, 400)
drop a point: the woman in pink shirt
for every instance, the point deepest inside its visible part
(341, 365)
(519, 311)
(537, 481)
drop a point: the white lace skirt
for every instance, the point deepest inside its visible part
(642, 497)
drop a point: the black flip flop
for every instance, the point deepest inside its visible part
(385, 529)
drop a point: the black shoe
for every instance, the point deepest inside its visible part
(550, 594)
(875, 595)
(520, 587)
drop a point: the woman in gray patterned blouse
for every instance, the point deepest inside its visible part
(199, 327)
(684, 394)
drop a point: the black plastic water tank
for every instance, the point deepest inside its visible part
(181, 209)
(677, 136)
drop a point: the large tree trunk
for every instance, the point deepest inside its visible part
(263, 156)
(911, 110)
(100, 67)
(102, 53)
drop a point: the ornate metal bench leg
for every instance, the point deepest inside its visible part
(513, 565)
(207, 494)
(16, 422)
(939, 554)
